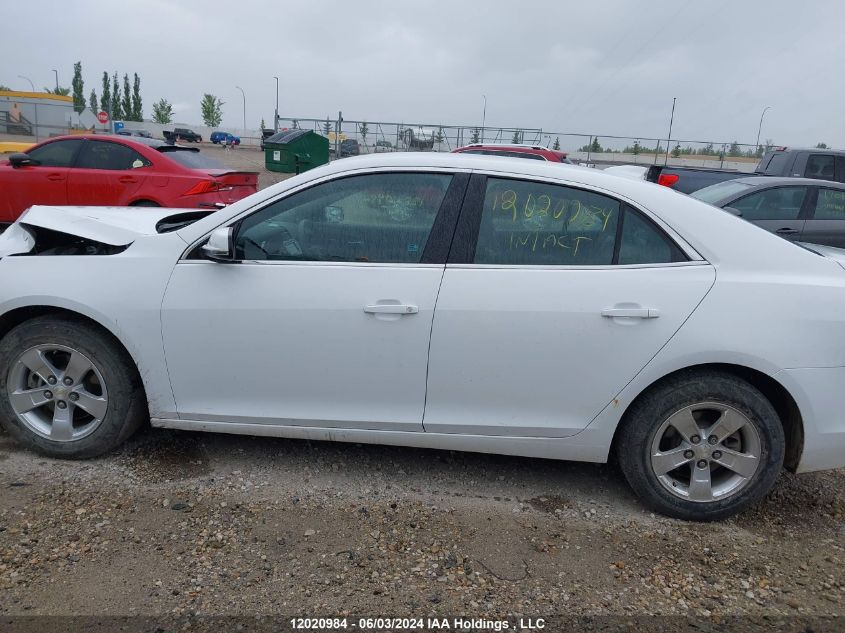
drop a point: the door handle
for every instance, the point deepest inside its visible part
(391, 308)
(126, 180)
(785, 231)
(631, 313)
(55, 177)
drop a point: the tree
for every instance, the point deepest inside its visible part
(327, 127)
(57, 91)
(126, 102)
(439, 137)
(137, 106)
(821, 145)
(211, 108)
(78, 88)
(117, 112)
(295, 124)
(556, 145)
(517, 136)
(262, 124)
(476, 134)
(5, 88)
(105, 98)
(364, 129)
(92, 102)
(162, 111)
(676, 151)
(734, 150)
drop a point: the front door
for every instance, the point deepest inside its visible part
(325, 321)
(44, 183)
(565, 297)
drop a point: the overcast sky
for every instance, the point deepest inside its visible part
(595, 66)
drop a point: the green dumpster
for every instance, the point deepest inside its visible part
(295, 151)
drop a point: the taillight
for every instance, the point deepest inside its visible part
(667, 180)
(203, 186)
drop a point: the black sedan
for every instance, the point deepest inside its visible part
(798, 209)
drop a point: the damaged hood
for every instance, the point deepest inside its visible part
(115, 226)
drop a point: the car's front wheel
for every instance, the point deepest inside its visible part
(701, 446)
(67, 389)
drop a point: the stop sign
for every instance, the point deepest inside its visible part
(102, 116)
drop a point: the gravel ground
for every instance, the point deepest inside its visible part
(247, 159)
(181, 524)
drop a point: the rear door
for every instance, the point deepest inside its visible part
(826, 222)
(553, 299)
(106, 173)
(45, 183)
(780, 210)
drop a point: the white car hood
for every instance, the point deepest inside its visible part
(115, 226)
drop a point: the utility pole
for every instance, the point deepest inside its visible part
(31, 85)
(760, 127)
(276, 118)
(337, 135)
(57, 80)
(244, 96)
(669, 140)
(483, 119)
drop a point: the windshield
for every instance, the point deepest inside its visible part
(191, 158)
(720, 191)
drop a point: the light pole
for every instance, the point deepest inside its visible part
(669, 140)
(244, 96)
(57, 80)
(31, 85)
(760, 127)
(276, 118)
(483, 118)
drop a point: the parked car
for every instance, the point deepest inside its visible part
(182, 134)
(127, 132)
(348, 147)
(537, 152)
(117, 170)
(383, 146)
(824, 164)
(683, 179)
(578, 316)
(224, 138)
(798, 209)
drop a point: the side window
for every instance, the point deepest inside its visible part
(820, 166)
(529, 223)
(370, 218)
(113, 156)
(783, 203)
(830, 205)
(644, 243)
(56, 154)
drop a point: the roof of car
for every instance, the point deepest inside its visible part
(777, 181)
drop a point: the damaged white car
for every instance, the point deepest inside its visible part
(442, 301)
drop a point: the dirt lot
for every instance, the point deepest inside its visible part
(245, 158)
(180, 523)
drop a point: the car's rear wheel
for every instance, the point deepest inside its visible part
(67, 389)
(701, 446)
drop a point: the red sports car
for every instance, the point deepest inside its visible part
(117, 171)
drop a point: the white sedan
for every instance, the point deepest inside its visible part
(443, 301)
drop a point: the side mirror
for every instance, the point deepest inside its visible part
(20, 159)
(736, 212)
(220, 246)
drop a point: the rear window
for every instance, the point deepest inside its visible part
(777, 164)
(192, 159)
(720, 191)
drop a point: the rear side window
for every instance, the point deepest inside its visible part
(643, 243)
(56, 154)
(783, 203)
(110, 156)
(528, 223)
(820, 166)
(830, 205)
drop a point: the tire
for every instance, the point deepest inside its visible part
(658, 433)
(111, 388)
(145, 203)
